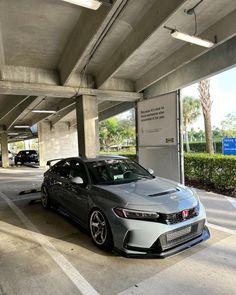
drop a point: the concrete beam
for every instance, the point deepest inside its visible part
(102, 106)
(2, 55)
(12, 88)
(12, 117)
(217, 60)
(83, 41)
(9, 104)
(159, 13)
(30, 75)
(61, 114)
(118, 85)
(59, 108)
(115, 110)
(224, 30)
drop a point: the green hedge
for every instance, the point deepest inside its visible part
(200, 147)
(216, 170)
(132, 156)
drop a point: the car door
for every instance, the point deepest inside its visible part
(59, 178)
(76, 196)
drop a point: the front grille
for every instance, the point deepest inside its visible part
(179, 236)
(174, 218)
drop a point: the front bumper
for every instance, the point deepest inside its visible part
(159, 253)
(142, 238)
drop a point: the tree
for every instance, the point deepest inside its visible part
(117, 131)
(204, 94)
(229, 125)
(191, 111)
(109, 132)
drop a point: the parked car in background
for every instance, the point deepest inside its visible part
(10, 157)
(26, 156)
(124, 206)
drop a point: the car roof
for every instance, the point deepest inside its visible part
(98, 158)
(103, 157)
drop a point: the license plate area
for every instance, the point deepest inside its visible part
(178, 234)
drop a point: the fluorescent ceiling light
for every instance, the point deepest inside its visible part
(44, 111)
(23, 136)
(13, 133)
(21, 126)
(91, 4)
(191, 39)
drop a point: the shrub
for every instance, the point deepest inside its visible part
(216, 170)
(129, 155)
(200, 147)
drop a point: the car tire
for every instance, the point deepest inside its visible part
(100, 230)
(45, 199)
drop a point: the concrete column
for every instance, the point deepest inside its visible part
(87, 126)
(56, 142)
(4, 148)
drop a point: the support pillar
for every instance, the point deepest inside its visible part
(56, 142)
(87, 126)
(4, 148)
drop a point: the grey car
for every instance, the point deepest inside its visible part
(125, 207)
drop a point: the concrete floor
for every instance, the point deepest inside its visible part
(42, 252)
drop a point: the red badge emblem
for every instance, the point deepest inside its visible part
(185, 214)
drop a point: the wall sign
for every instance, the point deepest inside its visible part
(157, 122)
(229, 146)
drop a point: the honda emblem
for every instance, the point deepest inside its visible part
(185, 214)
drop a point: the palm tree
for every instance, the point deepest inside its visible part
(205, 98)
(191, 111)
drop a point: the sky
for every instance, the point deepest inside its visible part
(223, 96)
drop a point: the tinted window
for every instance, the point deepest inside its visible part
(78, 170)
(62, 168)
(117, 171)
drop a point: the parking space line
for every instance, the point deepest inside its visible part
(221, 228)
(73, 274)
(231, 200)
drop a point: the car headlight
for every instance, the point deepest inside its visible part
(197, 209)
(136, 214)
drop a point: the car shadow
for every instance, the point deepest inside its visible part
(54, 224)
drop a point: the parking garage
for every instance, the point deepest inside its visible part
(64, 68)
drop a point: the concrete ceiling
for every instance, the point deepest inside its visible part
(51, 50)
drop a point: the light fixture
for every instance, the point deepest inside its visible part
(44, 111)
(13, 133)
(22, 136)
(91, 4)
(191, 39)
(21, 126)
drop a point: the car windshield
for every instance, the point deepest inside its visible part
(116, 171)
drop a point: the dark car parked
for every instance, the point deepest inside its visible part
(26, 156)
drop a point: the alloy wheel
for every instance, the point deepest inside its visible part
(98, 227)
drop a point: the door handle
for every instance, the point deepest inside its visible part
(58, 182)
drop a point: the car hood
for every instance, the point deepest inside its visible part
(157, 194)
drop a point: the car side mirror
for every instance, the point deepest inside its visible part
(77, 180)
(150, 171)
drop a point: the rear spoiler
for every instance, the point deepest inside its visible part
(53, 160)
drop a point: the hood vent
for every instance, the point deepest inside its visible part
(171, 191)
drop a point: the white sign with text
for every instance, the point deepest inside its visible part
(157, 121)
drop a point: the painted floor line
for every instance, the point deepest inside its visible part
(221, 228)
(231, 200)
(80, 282)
